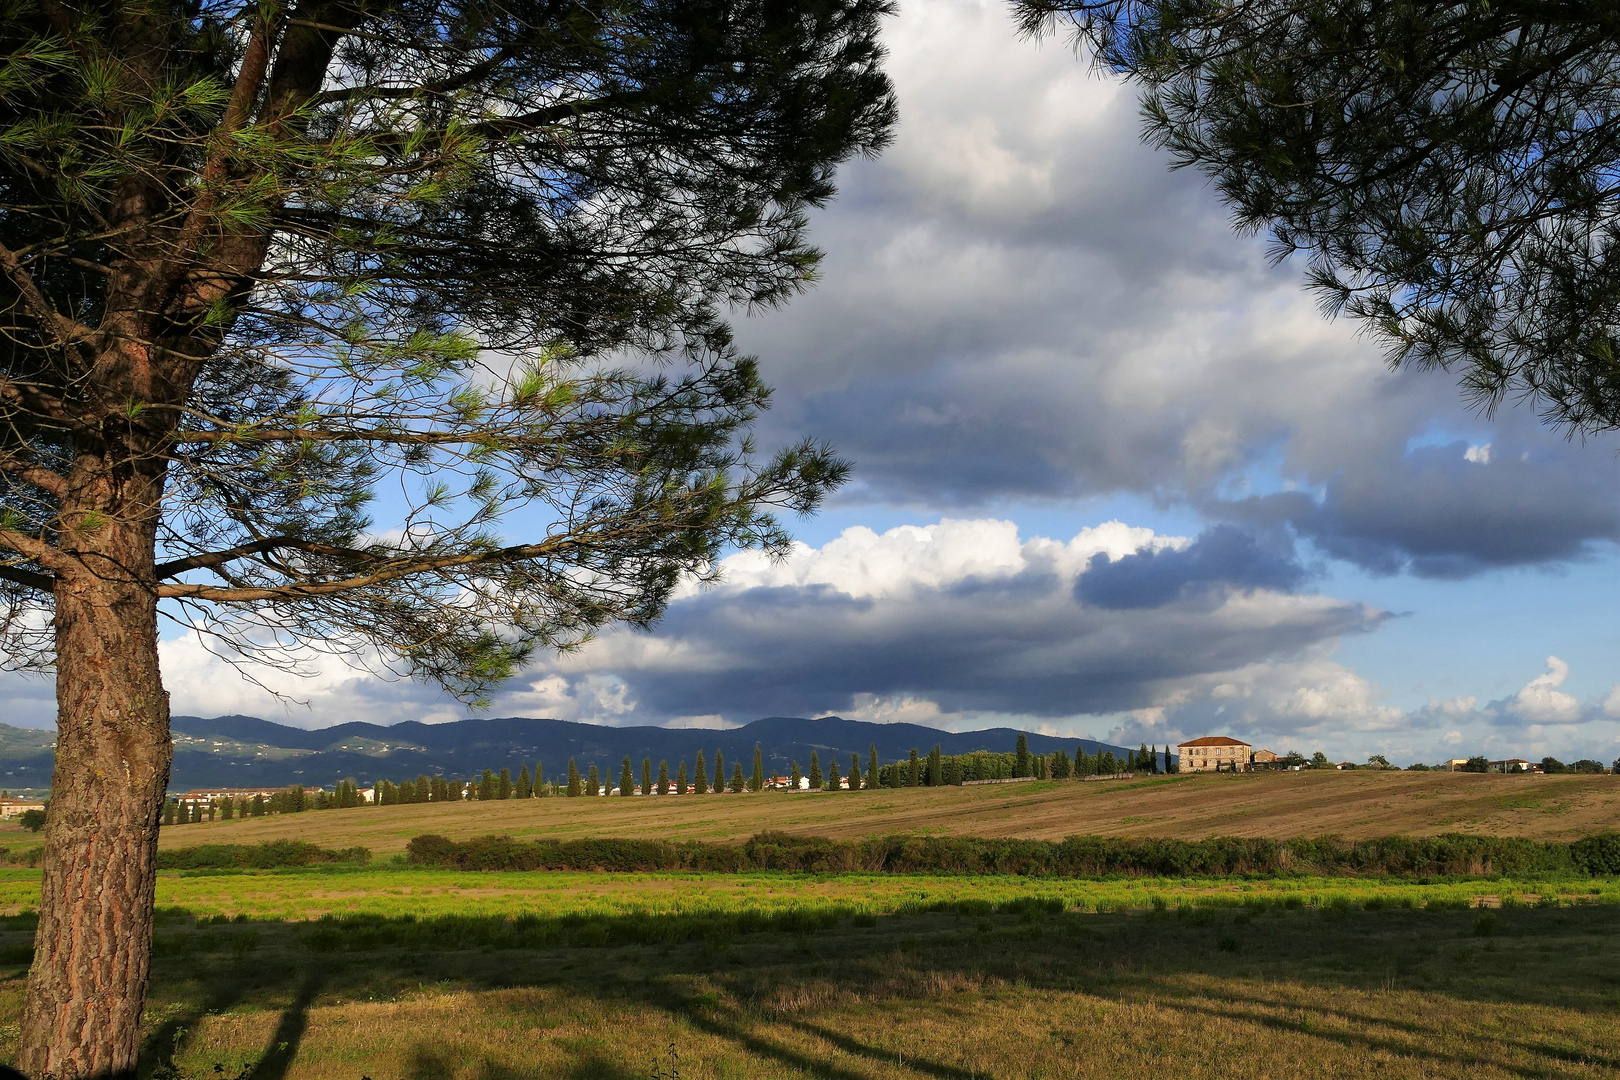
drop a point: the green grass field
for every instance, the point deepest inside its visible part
(403, 974)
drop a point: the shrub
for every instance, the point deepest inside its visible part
(257, 856)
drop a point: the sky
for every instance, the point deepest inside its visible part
(1115, 475)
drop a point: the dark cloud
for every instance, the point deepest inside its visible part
(1435, 513)
(1224, 557)
(1021, 302)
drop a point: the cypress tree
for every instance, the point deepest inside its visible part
(663, 777)
(757, 781)
(914, 770)
(627, 779)
(815, 771)
(168, 812)
(936, 767)
(258, 805)
(646, 776)
(574, 787)
(539, 776)
(486, 785)
(700, 776)
(854, 772)
(1021, 766)
(525, 786)
(680, 779)
(793, 778)
(719, 773)
(1041, 771)
(503, 786)
(737, 777)
(872, 774)
(593, 785)
(832, 773)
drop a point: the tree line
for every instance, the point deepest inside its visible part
(934, 769)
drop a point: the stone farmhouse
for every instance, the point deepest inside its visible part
(1216, 753)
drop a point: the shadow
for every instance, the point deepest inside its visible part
(283, 1046)
(1133, 957)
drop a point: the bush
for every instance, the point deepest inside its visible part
(32, 820)
(257, 856)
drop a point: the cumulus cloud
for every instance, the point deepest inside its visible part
(1022, 302)
(1541, 702)
(962, 617)
(1222, 558)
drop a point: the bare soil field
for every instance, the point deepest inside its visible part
(1281, 805)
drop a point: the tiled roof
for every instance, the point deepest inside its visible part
(1213, 740)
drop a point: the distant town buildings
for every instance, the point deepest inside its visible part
(10, 808)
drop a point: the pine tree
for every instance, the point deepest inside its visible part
(719, 772)
(815, 771)
(757, 781)
(872, 774)
(593, 783)
(680, 779)
(646, 776)
(700, 776)
(737, 777)
(832, 773)
(575, 789)
(525, 785)
(258, 805)
(627, 778)
(914, 769)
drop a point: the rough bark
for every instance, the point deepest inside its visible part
(87, 986)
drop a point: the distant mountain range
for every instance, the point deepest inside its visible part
(245, 751)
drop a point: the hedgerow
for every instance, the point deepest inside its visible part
(1077, 856)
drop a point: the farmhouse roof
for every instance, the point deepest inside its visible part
(1213, 740)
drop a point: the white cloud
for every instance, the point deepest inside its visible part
(1542, 702)
(1479, 455)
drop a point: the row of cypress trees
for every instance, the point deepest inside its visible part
(934, 769)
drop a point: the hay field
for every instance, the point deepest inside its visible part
(1279, 805)
(1259, 991)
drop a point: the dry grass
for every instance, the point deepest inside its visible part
(1284, 994)
(1351, 804)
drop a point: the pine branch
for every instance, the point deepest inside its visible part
(41, 477)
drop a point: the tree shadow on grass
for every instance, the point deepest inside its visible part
(1102, 955)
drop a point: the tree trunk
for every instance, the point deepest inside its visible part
(87, 986)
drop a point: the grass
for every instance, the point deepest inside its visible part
(501, 976)
(1351, 804)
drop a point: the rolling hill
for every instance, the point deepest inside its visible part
(246, 751)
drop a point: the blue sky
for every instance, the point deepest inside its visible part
(1115, 475)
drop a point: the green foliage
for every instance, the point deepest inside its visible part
(737, 784)
(34, 820)
(1451, 855)
(257, 856)
(680, 779)
(832, 774)
(1021, 766)
(575, 787)
(627, 780)
(503, 785)
(756, 781)
(663, 778)
(593, 783)
(1476, 764)
(477, 252)
(815, 771)
(646, 776)
(700, 776)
